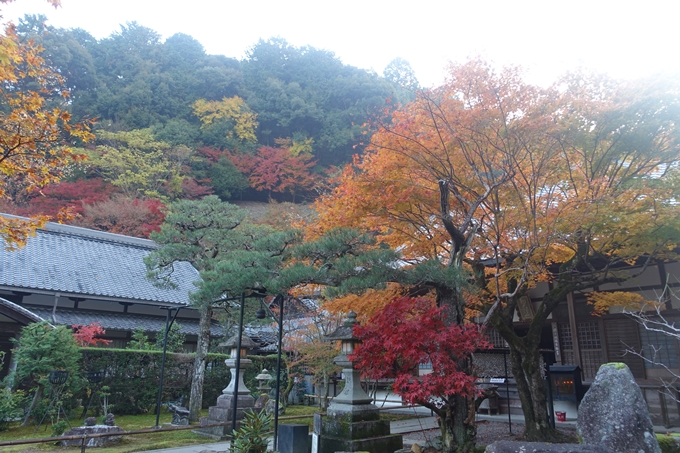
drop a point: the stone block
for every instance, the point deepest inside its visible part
(293, 439)
(383, 444)
(357, 430)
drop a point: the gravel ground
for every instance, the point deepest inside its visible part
(487, 432)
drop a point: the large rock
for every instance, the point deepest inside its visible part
(614, 414)
(83, 431)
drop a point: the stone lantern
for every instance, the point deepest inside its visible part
(222, 412)
(353, 421)
(232, 344)
(353, 403)
(263, 378)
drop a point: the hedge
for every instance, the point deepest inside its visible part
(133, 376)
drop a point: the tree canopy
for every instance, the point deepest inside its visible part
(514, 184)
(37, 133)
(279, 97)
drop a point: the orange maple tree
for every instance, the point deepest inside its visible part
(505, 182)
(277, 170)
(36, 130)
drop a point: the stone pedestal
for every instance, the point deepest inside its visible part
(353, 421)
(373, 436)
(221, 412)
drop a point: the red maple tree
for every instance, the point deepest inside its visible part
(86, 335)
(277, 170)
(411, 332)
(73, 195)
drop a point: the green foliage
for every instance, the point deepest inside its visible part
(344, 260)
(140, 165)
(11, 402)
(140, 341)
(668, 444)
(196, 231)
(400, 73)
(104, 393)
(176, 339)
(42, 348)
(252, 436)
(11, 405)
(297, 90)
(226, 179)
(131, 377)
(231, 255)
(59, 428)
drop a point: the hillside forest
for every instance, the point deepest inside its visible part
(171, 122)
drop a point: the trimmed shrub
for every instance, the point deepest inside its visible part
(133, 376)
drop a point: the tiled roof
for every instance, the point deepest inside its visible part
(119, 321)
(7, 307)
(85, 262)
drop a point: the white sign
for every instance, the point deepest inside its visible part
(497, 380)
(315, 443)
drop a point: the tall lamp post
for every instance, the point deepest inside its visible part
(168, 325)
(237, 365)
(278, 300)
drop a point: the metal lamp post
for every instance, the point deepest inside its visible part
(168, 325)
(240, 351)
(278, 300)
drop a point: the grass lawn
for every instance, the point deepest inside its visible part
(151, 441)
(137, 442)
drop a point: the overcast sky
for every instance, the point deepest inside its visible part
(624, 38)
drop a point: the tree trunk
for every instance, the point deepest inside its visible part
(457, 424)
(37, 397)
(323, 401)
(525, 361)
(290, 382)
(457, 417)
(196, 397)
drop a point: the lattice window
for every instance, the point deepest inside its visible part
(589, 335)
(567, 343)
(590, 341)
(659, 349)
(495, 339)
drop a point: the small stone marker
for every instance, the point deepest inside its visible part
(614, 414)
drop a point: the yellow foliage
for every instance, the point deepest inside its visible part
(17, 231)
(367, 304)
(35, 127)
(603, 301)
(233, 109)
(300, 147)
(295, 147)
